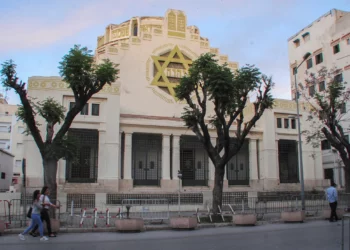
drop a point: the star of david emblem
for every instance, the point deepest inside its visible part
(161, 78)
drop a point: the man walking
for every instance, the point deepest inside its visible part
(332, 197)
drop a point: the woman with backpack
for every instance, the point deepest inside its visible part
(35, 215)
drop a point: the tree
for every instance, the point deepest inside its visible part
(327, 114)
(216, 85)
(85, 78)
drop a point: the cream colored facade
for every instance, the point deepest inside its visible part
(142, 141)
(327, 37)
(11, 137)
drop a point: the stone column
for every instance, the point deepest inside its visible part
(128, 156)
(166, 157)
(176, 156)
(253, 160)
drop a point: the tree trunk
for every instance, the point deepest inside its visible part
(50, 172)
(218, 187)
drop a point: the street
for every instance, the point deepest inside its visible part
(307, 236)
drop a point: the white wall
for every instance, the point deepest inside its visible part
(6, 168)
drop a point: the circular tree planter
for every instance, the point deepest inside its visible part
(293, 216)
(244, 219)
(183, 222)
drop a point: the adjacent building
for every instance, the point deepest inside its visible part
(6, 170)
(328, 41)
(133, 141)
(11, 138)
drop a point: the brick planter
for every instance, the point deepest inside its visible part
(293, 216)
(183, 222)
(129, 225)
(244, 219)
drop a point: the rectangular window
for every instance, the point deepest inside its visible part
(296, 43)
(338, 78)
(312, 90)
(319, 58)
(279, 123)
(18, 163)
(293, 124)
(286, 123)
(71, 105)
(3, 175)
(325, 145)
(294, 70)
(20, 130)
(309, 63)
(343, 108)
(321, 86)
(95, 109)
(85, 110)
(348, 41)
(306, 37)
(3, 128)
(288, 161)
(336, 49)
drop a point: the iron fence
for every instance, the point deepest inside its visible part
(185, 198)
(147, 209)
(81, 201)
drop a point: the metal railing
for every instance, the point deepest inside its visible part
(147, 209)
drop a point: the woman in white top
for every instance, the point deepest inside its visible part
(44, 198)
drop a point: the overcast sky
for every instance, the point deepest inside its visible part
(37, 33)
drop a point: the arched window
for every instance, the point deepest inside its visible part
(135, 29)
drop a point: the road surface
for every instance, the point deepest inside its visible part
(315, 235)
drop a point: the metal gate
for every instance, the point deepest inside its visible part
(193, 162)
(85, 168)
(238, 166)
(146, 159)
(288, 161)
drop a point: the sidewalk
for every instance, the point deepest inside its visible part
(158, 227)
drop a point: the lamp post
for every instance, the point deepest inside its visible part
(179, 176)
(301, 168)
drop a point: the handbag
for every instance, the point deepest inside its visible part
(29, 213)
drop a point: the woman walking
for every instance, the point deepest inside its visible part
(37, 206)
(44, 198)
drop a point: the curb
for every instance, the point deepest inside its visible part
(154, 228)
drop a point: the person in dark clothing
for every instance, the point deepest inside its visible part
(45, 192)
(332, 197)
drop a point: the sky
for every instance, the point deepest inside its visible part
(36, 34)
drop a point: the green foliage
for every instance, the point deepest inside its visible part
(8, 73)
(228, 92)
(51, 110)
(84, 76)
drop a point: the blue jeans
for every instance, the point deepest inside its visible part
(36, 220)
